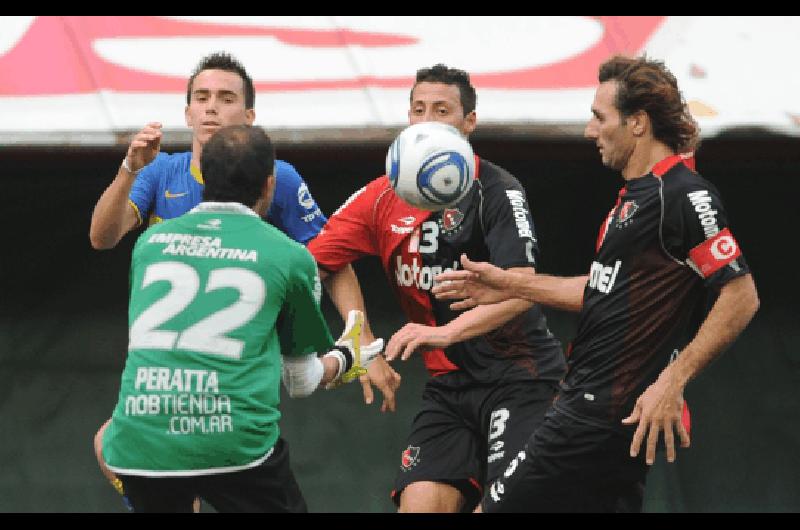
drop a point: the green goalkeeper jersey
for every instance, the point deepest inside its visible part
(216, 297)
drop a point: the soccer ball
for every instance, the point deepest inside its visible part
(430, 166)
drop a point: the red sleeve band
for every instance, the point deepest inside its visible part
(715, 252)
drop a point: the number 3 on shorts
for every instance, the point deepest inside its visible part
(497, 423)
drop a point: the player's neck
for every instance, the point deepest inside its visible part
(645, 155)
(197, 150)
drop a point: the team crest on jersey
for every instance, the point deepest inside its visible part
(626, 211)
(409, 458)
(451, 220)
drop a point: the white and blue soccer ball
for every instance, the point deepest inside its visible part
(430, 166)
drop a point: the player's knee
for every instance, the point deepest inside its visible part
(431, 497)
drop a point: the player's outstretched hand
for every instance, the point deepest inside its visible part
(353, 357)
(479, 283)
(384, 377)
(659, 408)
(145, 146)
(412, 337)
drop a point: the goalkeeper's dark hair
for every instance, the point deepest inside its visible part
(440, 73)
(646, 85)
(235, 163)
(227, 62)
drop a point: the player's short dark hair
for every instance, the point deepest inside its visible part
(235, 163)
(440, 73)
(647, 85)
(224, 61)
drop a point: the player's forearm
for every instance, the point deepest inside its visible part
(565, 293)
(345, 292)
(483, 319)
(113, 216)
(737, 303)
(488, 317)
(302, 375)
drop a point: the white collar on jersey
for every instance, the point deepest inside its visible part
(223, 207)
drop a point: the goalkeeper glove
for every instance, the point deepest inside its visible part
(353, 357)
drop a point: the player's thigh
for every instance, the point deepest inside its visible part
(441, 448)
(510, 414)
(158, 495)
(561, 469)
(270, 487)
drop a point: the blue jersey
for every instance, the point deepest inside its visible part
(169, 187)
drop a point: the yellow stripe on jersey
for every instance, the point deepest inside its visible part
(196, 174)
(138, 213)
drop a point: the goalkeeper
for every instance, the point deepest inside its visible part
(222, 306)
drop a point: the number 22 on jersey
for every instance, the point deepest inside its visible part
(208, 335)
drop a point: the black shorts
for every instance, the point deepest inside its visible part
(267, 488)
(571, 466)
(465, 437)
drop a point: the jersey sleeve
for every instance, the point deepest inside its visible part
(349, 233)
(144, 189)
(508, 225)
(696, 231)
(294, 210)
(301, 327)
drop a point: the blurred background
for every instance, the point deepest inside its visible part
(333, 92)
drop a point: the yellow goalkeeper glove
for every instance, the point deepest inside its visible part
(353, 357)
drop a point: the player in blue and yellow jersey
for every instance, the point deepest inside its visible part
(171, 185)
(152, 186)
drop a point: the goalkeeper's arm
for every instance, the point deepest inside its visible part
(302, 375)
(346, 361)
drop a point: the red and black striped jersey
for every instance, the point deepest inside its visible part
(662, 253)
(492, 223)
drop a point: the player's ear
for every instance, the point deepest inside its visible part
(639, 123)
(187, 116)
(267, 192)
(250, 116)
(269, 186)
(470, 122)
